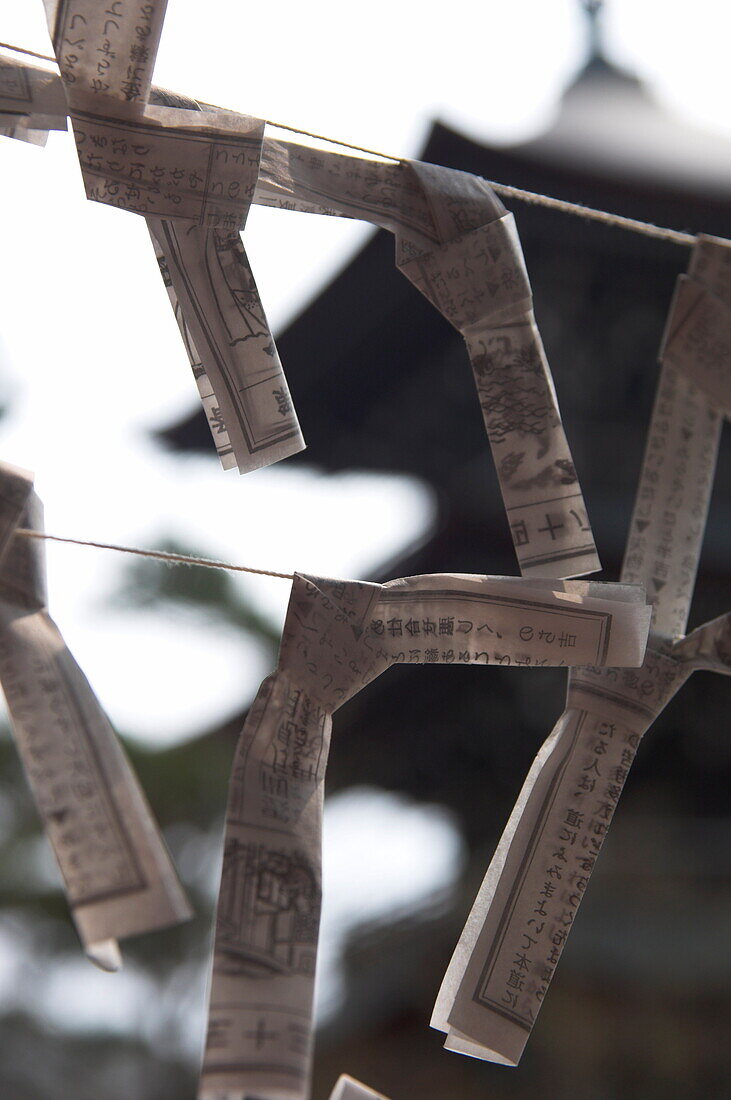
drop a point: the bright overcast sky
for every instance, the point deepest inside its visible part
(90, 357)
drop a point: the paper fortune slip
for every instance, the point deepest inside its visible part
(117, 873)
(506, 958)
(339, 636)
(193, 170)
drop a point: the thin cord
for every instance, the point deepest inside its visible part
(31, 53)
(677, 236)
(160, 555)
(647, 229)
(333, 141)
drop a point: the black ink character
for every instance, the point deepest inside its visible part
(283, 400)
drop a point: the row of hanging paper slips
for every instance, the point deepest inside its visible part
(192, 171)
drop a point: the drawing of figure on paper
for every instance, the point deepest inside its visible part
(269, 913)
(240, 283)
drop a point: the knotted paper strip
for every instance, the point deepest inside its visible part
(698, 340)
(338, 636)
(106, 51)
(32, 102)
(476, 277)
(455, 242)
(511, 944)
(347, 1088)
(118, 876)
(33, 99)
(191, 172)
(458, 245)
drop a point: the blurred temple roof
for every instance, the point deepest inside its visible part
(609, 121)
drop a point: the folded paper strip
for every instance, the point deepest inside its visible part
(339, 636)
(457, 244)
(505, 960)
(32, 102)
(193, 170)
(191, 173)
(117, 873)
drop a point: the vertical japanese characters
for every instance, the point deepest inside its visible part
(476, 277)
(506, 958)
(193, 172)
(338, 636)
(117, 873)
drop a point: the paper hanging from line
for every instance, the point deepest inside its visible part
(477, 279)
(32, 102)
(232, 353)
(338, 636)
(117, 873)
(504, 962)
(458, 245)
(106, 51)
(193, 174)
